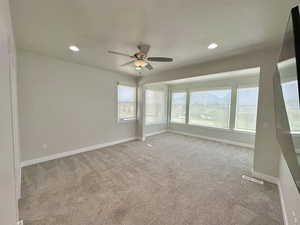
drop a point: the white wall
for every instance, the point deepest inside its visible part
(8, 199)
(290, 194)
(67, 106)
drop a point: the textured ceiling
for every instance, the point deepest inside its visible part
(174, 28)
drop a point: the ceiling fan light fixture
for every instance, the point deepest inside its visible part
(140, 60)
(74, 48)
(212, 46)
(140, 63)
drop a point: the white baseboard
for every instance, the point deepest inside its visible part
(283, 205)
(213, 139)
(73, 152)
(155, 133)
(141, 138)
(268, 178)
(276, 181)
(19, 182)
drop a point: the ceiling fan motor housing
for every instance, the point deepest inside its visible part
(140, 55)
(141, 60)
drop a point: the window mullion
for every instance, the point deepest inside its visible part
(233, 103)
(187, 107)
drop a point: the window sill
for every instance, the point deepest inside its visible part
(127, 120)
(244, 131)
(153, 124)
(182, 123)
(219, 128)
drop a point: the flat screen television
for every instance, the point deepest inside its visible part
(286, 93)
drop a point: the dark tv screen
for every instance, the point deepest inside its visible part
(286, 93)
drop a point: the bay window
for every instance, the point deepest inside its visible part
(126, 102)
(246, 108)
(210, 108)
(178, 107)
(155, 106)
(291, 97)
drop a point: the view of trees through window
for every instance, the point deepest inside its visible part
(155, 106)
(246, 107)
(126, 102)
(210, 108)
(291, 99)
(178, 109)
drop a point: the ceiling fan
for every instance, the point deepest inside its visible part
(141, 59)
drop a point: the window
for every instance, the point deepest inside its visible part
(210, 108)
(246, 108)
(291, 99)
(155, 106)
(178, 108)
(126, 102)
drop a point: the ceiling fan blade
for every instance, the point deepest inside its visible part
(120, 53)
(149, 66)
(144, 48)
(160, 59)
(128, 63)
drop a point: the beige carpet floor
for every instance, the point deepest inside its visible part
(178, 181)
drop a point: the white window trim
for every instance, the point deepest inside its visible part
(173, 122)
(244, 131)
(216, 88)
(218, 128)
(130, 119)
(205, 90)
(165, 92)
(236, 100)
(186, 105)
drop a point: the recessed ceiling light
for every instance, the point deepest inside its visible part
(74, 48)
(212, 46)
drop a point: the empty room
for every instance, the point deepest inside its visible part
(150, 112)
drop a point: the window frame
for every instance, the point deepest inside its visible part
(236, 108)
(294, 132)
(204, 89)
(125, 120)
(165, 111)
(186, 105)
